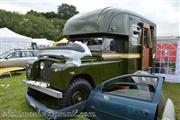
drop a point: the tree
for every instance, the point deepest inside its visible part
(66, 11)
(35, 13)
(50, 15)
(32, 25)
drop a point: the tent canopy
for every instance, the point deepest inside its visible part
(42, 41)
(8, 35)
(64, 40)
(11, 40)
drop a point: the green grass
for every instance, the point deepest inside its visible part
(14, 107)
(12, 100)
(172, 91)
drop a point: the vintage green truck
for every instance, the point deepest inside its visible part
(102, 44)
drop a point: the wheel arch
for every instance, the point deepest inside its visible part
(86, 77)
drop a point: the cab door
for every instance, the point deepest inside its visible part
(146, 39)
(112, 59)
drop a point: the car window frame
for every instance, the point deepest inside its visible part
(35, 53)
(13, 53)
(129, 97)
(26, 54)
(108, 46)
(158, 88)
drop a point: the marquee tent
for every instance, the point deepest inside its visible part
(42, 42)
(11, 40)
(64, 40)
(168, 58)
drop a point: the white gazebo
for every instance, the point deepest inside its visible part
(11, 40)
(42, 42)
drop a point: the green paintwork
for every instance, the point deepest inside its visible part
(107, 20)
(100, 23)
(97, 72)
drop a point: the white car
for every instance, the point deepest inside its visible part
(17, 58)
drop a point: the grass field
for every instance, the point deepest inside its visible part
(14, 107)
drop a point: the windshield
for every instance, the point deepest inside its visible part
(94, 44)
(5, 54)
(73, 52)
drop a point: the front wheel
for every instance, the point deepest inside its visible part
(78, 91)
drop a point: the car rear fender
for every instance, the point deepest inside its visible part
(169, 111)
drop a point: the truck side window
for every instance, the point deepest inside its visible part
(94, 43)
(145, 37)
(113, 45)
(109, 45)
(136, 31)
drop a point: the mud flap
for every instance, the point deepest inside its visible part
(60, 114)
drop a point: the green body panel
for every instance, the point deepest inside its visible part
(97, 71)
(107, 20)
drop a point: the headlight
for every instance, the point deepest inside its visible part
(29, 72)
(42, 65)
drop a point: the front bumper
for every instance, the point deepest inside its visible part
(43, 87)
(63, 113)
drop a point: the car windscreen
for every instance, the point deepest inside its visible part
(5, 54)
(142, 88)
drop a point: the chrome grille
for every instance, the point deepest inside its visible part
(46, 72)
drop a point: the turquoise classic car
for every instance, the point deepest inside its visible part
(130, 97)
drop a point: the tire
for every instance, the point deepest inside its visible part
(78, 91)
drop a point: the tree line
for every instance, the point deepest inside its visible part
(38, 24)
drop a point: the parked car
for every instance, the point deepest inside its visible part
(131, 97)
(17, 58)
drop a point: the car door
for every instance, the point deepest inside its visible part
(112, 59)
(12, 60)
(123, 101)
(26, 56)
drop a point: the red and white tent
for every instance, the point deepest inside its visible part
(168, 58)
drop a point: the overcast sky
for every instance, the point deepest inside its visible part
(165, 13)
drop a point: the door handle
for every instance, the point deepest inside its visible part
(119, 65)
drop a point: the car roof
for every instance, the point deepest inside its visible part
(23, 50)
